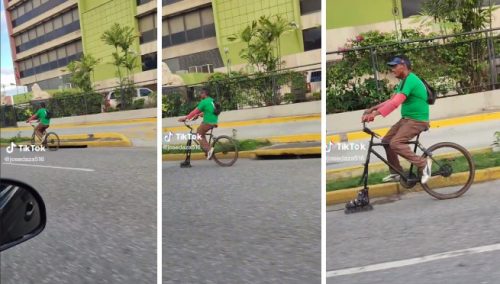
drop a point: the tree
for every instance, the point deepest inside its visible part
(81, 72)
(469, 15)
(262, 39)
(122, 39)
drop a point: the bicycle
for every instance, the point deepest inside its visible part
(225, 148)
(448, 161)
(49, 139)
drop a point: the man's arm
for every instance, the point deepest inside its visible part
(384, 108)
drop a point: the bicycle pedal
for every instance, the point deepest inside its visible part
(368, 207)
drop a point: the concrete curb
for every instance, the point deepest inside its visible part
(354, 171)
(385, 190)
(311, 137)
(201, 156)
(119, 140)
(251, 154)
(360, 135)
(84, 124)
(253, 122)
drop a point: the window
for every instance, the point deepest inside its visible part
(149, 61)
(146, 23)
(193, 26)
(39, 30)
(52, 55)
(207, 16)
(144, 92)
(18, 40)
(32, 34)
(177, 30)
(36, 3)
(79, 47)
(67, 18)
(29, 64)
(20, 10)
(14, 14)
(76, 17)
(48, 26)
(21, 66)
(57, 22)
(309, 6)
(71, 49)
(61, 52)
(36, 61)
(24, 37)
(28, 6)
(165, 30)
(44, 58)
(312, 38)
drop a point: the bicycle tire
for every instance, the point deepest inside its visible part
(52, 141)
(446, 172)
(222, 145)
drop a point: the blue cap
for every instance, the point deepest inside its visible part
(400, 59)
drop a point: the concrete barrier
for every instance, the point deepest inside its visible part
(306, 108)
(443, 108)
(100, 117)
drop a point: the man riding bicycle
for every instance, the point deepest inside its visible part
(411, 93)
(205, 108)
(42, 115)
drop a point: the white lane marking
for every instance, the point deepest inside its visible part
(411, 261)
(51, 167)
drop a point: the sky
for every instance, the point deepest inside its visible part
(7, 68)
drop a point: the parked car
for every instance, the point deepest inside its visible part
(112, 100)
(314, 81)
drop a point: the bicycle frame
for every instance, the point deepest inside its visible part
(406, 177)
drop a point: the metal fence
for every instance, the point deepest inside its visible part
(236, 91)
(454, 65)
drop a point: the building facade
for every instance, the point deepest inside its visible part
(45, 35)
(195, 33)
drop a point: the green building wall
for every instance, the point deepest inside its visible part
(97, 16)
(232, 16)
(348, 13)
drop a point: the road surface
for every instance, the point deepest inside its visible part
(101, 217)
(418, 239)
(255, 222)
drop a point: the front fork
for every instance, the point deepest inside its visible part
(187, 161)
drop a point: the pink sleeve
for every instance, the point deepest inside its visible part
(194, 113)
(392, 104)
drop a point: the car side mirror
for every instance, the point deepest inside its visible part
(22, 213)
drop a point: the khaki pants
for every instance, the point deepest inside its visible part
(202, 130)
(401, 132)
(40, 130)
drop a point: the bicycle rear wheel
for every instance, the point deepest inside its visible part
(453, 171)
(52, 141)
(225, 151)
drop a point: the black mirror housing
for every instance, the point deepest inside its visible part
(22, 213)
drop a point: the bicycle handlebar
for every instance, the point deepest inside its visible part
(369, 131)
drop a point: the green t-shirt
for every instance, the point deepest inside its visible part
(41, 114)
(415, 106)
(207, 107)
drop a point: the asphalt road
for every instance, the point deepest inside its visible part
(101, 225)
(418, 226)
(471, 136)
(254, 222)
